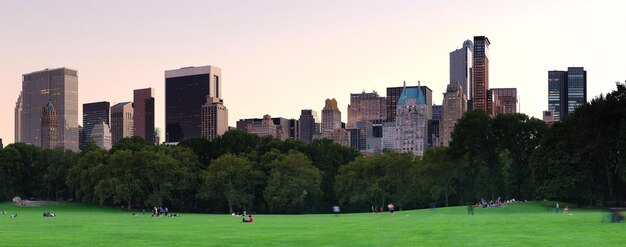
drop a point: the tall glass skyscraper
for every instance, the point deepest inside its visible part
(567, 90)
(186, 90)
(576, 88)
(93, 114)
(557, 93)
(461, 66)
(62, 85)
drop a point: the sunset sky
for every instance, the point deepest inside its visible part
(278, 57)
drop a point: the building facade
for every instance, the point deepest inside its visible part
(331, 116)
(411, 122)
(62, 86)
(548, 117)
(308, 120)
(461, 66)
(143, 114)
(49, 126)
(503, 101)
(186, 90)
(576, 88)
(454, 106)
(214, 118)
(101, 135)
(264, 128)
(480, 73)
(339, 136)
(434, 127)
(393, 95)
(366, 107)
(93, 114)
(557, 93)
(122, 121)
(18, 119)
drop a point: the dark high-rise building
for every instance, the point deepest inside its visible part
(95, 113)
(576, 88)
(480, 73)
(355, 137)
(62, 86)
(1, 145)
(294, 129)
(567, 90)
(461, 66)
(186, 90)
(434, 126)
(557, 93)
(393, 94)
(308, 120)
(143, 114)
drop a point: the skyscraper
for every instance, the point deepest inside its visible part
(331, 116)
(308, 118)
(557, 93)
(143, 114)
(502, 101)
(121, 121)
(480, 73)
(186, 90)
(366, 106)
(454, 106)
(393, 94)
(62, 85)
(576, 88)
(567, 90)
(411, 122)
(461, 66)
(49, 126)
(95, 113)
(214, 118)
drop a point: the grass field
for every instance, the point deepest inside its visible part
(526, 224)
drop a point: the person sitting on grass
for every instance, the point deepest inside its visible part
(250, 219)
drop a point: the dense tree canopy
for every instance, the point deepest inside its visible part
(581, 159)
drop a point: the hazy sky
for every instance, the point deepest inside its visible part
(278, 57)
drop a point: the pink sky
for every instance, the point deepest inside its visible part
(278, 57)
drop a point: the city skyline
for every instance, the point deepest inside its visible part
(279, 49)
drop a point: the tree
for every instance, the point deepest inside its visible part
(83, 177)
(472, 138)
(293, 182)
(328, 157)
(517, 136)
(231, 178)
(442, 173)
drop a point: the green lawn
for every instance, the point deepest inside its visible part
(514, 225)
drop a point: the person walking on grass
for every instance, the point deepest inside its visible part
(470, 209)
(557, 207)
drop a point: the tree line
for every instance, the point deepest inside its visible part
(580, 159)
